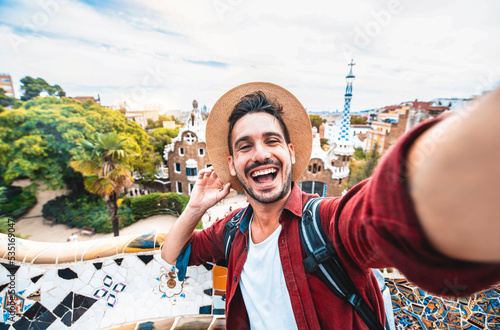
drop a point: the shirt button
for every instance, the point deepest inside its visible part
(235, 279)
(246, 248)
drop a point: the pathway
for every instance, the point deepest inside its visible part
(34, 229)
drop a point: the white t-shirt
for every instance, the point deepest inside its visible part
(263, 286)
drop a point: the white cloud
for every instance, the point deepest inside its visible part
(152, 51)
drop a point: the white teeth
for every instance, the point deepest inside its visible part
(271, 170)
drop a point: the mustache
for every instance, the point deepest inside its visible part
(257, 164)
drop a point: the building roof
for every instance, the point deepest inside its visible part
(84, 98)
(361, 136)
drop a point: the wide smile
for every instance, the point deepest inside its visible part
(264, 176)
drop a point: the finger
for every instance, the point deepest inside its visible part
(214, 175)
(205, 171)
(225, 190)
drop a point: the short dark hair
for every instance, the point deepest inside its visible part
(255, 103)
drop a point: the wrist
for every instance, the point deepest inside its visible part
(193, 212)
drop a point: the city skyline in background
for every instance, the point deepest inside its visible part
(169, 53)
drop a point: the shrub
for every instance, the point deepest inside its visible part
(147, 205)
(86, 210)
(18, 200)
(127, 201)
(177, 202)
(4, 225)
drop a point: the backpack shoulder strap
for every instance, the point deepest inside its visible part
(322, 259)
(229, 232)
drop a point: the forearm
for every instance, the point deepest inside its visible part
(207, 192)
(453, 173)
(180, 233)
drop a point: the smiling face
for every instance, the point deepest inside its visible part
(261, 160)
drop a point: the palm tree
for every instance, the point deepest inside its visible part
(103, 163)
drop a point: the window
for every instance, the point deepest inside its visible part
(309, 168)
(5, 80)
(208, 165)
(319, 168)
(191, 186)
(181, 151)
(315, 168)
(179, 187)
(177, 168)
(190, 171)
(201, 152)
(314, 187)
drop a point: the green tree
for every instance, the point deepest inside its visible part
(145, 165)
(105, 169)
(32, 88)
(359, 154)
(316, 121)
(323, 142)
(362, 170)
(162, 118)
(38, 139)
(162, 136)
(7, 101)
(358, 120)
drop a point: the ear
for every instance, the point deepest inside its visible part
(292, 152)
(231, 165)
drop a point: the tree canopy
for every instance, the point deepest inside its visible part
(7, 101)
(358, 120)
(104, 161)
(162, 136)
(159, 123)
(316, 120)
(38, 139)
(32, 88)
(362, 169)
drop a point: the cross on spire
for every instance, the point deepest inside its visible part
(351, 65)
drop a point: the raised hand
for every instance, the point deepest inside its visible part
(208, 190)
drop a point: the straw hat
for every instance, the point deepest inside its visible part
(294, 116)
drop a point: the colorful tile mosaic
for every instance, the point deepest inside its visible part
(416, 309)
(109, 290)
(101, 283)
(99, 286)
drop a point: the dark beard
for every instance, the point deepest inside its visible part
(268, 200)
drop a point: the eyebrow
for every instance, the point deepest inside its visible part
(266, 134)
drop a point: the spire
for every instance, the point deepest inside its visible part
(344, 140)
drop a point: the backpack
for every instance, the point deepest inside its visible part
(322, 259)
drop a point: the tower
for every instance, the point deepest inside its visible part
(344, 143)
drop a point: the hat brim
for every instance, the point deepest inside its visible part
(294, 116)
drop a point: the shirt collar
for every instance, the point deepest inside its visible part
(293, 204)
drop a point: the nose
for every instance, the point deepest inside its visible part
(261, 153)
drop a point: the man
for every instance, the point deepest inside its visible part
(423, 211)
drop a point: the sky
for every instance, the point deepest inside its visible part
(168, 53)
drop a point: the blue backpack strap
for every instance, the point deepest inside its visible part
(322, 259)
(229, 232)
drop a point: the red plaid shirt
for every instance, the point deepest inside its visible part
(373, 226)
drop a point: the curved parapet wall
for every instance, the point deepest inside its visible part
(122, 281)
(96, 284)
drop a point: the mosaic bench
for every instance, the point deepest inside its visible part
(122, 283)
